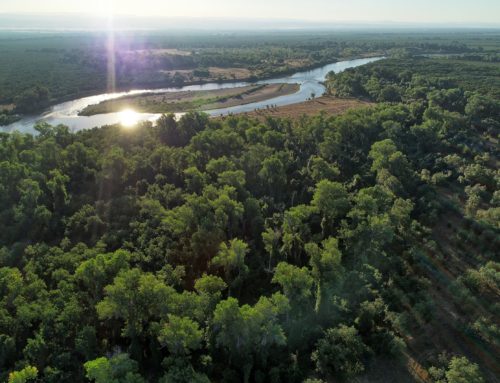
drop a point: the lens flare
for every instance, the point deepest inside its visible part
(129, 118)
(111, 64)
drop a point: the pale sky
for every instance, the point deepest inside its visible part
(419, 11)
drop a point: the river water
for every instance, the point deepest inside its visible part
(67, 112)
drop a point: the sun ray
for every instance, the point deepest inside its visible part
(111, 66)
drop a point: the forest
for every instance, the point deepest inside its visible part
(357, 247)
(74, 64)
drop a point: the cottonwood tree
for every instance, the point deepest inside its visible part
(461, 370)
(331, 199)
(98, 272)
(296, 284)
(296, 230)
(210, 288)
(136, 298)
(326, 268)
(248, 333)
(271, 239)
(117, 369)
(24, 375)
(340, 353)
(231, 258)
(180, 335)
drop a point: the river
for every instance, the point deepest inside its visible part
(66, 113)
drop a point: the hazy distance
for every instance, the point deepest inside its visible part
(242, 14)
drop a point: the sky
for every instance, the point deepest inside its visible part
(370, 11)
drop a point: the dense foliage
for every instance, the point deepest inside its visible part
(73, 64)
(236, 250)
(413, 78)
(8, 117)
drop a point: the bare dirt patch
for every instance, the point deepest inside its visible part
(328, 105)
(214, 74)
(160, 52)
(298, 63)
(7, 107)
(230, 73)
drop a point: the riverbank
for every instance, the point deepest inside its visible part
(8, 115)
(327, 104)
(310, 83)
(184, 101)
(228, 78)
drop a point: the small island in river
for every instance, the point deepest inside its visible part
(184, 101)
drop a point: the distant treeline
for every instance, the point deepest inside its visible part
(72, 65)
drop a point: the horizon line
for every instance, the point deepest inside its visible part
(311, 23)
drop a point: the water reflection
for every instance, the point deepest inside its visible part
(129, 118)
(66, 113)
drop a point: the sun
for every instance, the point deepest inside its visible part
(129, 118)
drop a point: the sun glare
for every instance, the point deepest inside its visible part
(129, 118)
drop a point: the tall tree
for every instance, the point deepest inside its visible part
(231, 258)
(326, 267)
(331, 199)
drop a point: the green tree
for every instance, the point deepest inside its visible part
(85, 225)
(340, 353)
(389, 93)
(100, 271)
(31, 215)
(195, 180)
(296, 230)
(271, 238)
(382, 153)
(331, 199)
(33, 100)
(210, 288)
(57, 186)
(295, 282)
(169, 133)
(231, 258)
(116, 168)
(117, 369)
(180, 370)
(320, 170)
(180, 335)
(24, 375)
(273, 176)
(247, 333)
(136, 298)
(461, 370)
(326, 267)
